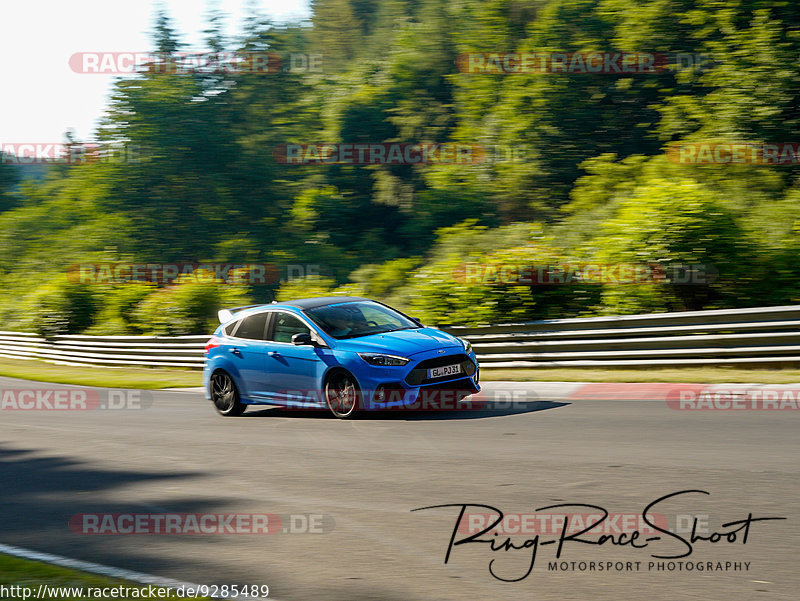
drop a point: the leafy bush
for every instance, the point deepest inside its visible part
(465, 282)
(60, 307)
(187, 307)
(671, 222)
(116, 316)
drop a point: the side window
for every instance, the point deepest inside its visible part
(286, 325)
(230, 328)
(253, 327)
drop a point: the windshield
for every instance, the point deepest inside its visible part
(351, 320)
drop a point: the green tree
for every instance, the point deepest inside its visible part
(674, 224)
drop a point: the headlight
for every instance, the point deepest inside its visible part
(383, 360)
(467, 345)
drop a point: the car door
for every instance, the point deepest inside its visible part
(291, 370)
(248, 350)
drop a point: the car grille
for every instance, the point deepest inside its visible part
(419, 375)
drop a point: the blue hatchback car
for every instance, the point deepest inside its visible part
(348, 354)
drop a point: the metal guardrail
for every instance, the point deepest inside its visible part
(754, 336)
(108, 351)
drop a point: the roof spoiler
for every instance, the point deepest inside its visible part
(228, 314)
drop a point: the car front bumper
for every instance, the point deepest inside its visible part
(412, 388)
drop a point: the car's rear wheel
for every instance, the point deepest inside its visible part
(342, 395)
(225, 395)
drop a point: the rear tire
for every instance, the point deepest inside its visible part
(342, 396)
(225, 395)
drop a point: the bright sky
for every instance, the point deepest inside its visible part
(41, 96)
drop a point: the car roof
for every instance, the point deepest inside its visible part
(303, 303)
(312, 303)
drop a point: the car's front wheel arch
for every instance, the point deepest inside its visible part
(332, 389)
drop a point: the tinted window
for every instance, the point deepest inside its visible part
(286, 325)
(253, 327)
(350, 320)
(228, 329)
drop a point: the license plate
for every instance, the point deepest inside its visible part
(445, 370)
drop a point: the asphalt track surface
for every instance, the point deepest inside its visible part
(366, 476)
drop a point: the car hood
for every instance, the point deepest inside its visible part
(402, 342)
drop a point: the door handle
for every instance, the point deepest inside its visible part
(273, 353)
(236, 352)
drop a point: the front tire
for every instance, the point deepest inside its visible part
(342, 396)
(225, 395)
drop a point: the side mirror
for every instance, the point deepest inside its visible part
(302, 339)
